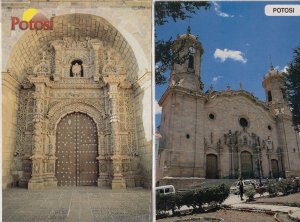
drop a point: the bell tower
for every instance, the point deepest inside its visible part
(274, 91)
(185, 71)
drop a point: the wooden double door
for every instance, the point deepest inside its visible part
(76, 151)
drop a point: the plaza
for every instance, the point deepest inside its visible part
(76, 204)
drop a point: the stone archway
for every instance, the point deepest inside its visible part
(76, 151)
(84, 26)
(246, 164)
(108, 90)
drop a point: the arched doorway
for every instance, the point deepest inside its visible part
(275, 168)
(246, 164)
(211, 166)
(76, 151)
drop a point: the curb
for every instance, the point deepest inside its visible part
(269, 212)
(276, 218)
(290, 215)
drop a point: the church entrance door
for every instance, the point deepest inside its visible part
(275, 168)
(76, 151)
(211, 166)
(246, 165)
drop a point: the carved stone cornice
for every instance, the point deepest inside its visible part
(76, 83)
(114, 79)
(39, 79)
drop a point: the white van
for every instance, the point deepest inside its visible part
(165, 190)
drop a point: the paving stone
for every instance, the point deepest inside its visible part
(76, 204)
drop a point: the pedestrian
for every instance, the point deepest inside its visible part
(241, 188)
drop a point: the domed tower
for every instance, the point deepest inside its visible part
(185, 72)
(274, 90)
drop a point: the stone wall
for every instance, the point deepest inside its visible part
(10, 102)
(195, 125)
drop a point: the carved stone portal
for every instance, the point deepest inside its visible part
(72, 77)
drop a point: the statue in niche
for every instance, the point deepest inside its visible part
(76, 69)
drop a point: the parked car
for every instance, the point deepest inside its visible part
(247, 185)
(165, 190)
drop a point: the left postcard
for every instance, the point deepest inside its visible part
(76, 110)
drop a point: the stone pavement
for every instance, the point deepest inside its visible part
(235, 203)
(72, 204)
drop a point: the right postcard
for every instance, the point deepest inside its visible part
(227, 105)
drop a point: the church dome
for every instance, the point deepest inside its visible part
(272, 72)
(187, 35)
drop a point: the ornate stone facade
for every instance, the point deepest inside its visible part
(105, 95)
(224, 134)
(91, 70)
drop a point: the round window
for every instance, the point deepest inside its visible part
(269, 127)
(211, 116)
(187, 136)
(243, 122)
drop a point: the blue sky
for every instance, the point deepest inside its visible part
(238, 41)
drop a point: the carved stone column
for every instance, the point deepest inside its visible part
(38, 155)
(103, 180)
(96, 46)
(50, 179)
(113, 81)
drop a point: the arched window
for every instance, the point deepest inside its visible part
(191, 62)
(269, 96)
(76, 69)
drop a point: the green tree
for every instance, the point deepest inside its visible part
(292, 86)
(165, 12)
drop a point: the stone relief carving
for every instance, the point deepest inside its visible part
(43, 68)
(114, 64)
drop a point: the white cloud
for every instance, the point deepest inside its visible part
(217, 9)
(215, 79)
(157, 108)
(229, 54)
(285, 69)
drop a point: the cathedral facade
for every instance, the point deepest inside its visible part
(223, 134)
(74, 110)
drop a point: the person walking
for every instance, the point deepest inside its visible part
(241, 188)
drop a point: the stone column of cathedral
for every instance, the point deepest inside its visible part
(96, 46)
(103, 151)
(38, 156)
(49, 141)
(118, 181)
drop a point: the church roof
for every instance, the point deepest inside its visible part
(211, 95)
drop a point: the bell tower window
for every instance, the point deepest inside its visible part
(283, 93)
(269, 96)
(191, 62)
(76, 69)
